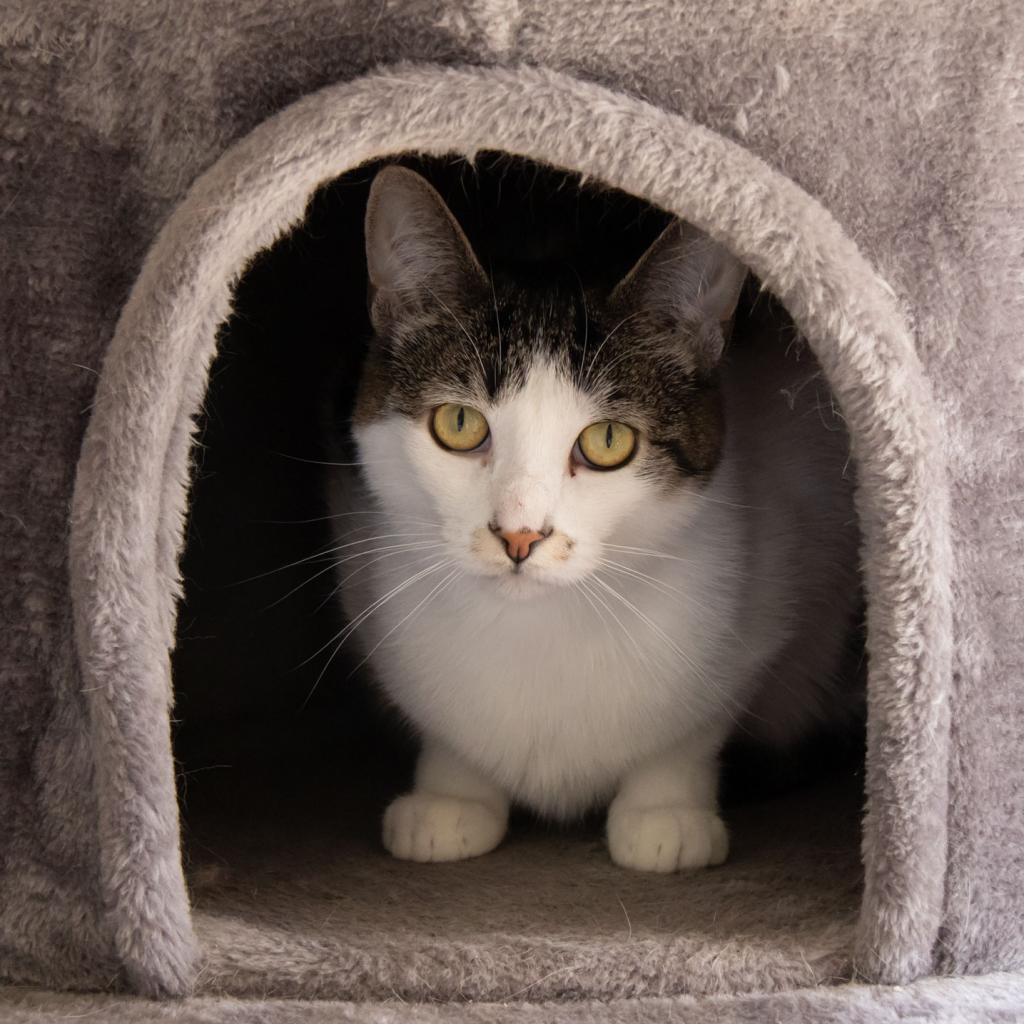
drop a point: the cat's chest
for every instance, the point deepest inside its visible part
(539, 698)
(538, 666)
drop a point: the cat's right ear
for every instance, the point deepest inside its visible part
(689, 285)
(416, 253)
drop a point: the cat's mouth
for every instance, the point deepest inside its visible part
(523, 555)
(523, 577)
(541, 565)
(520, 583)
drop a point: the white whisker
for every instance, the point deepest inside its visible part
(667, 590)
(586, 318)
(701, 496)
(389, 549)
(342, 635)
(325, 554)
(456, 572)
(632, 639)
(462, 327)
(652, 581)
(373, 561)
(342, 515)
(720, 570)
(608, 337)
(497, 324)
(671, 644)
(321, 462)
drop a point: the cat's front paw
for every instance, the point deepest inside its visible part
(425, 827)
(665, 838)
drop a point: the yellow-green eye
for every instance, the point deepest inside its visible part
(607, 445)
(459, 428)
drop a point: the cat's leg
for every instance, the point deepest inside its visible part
(665, 815)
(452, 813)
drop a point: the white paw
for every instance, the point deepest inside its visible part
(424, 827)
(665, 838)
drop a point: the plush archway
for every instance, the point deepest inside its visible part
(132, 485)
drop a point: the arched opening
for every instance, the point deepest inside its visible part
(286, 759)
(130, 501)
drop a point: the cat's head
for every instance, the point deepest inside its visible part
(527, 428)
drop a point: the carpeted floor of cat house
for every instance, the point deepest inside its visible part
(295, 897)
(538, 911)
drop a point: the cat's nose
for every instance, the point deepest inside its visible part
(519, 544)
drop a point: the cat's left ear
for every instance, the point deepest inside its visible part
(688, 285)
(417, 255)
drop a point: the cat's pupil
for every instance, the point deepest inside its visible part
(608, 437)
(461, 418)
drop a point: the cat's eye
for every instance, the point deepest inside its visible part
(459, 428)
(607, 445)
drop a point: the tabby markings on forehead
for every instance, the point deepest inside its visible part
(482, 355)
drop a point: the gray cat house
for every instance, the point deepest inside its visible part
(864, 162)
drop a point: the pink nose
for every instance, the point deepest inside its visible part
(519, 544)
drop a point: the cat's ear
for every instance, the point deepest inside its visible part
(416, 253)
(687, 284)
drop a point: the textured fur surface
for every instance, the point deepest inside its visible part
(311, 905)
(995, 999)
(902, 121)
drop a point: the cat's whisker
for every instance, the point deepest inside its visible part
(668, 591)
(586, 317)
(455, 573)
(320, 555)
(327, 462)
(670, 643)
(651, 553)
(497, 324)
(666, 556)
(366, 565)
(665, 589)
(462, 327)
(708, 499)
(389, 549)
(342, 515)
(647, 551)
(622, 626)
(342, 635)
(373, 606)
(652, 581)
(578, 586)
(608, 337)
(411, 527)
(622, 357)
(406, 545)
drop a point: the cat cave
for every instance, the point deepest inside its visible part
(180, 821)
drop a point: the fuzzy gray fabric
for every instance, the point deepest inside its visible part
(994, 999)
(865, 162)
(304, 905)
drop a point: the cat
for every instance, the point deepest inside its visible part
(611, 539)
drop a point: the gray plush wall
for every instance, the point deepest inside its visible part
(904, 121)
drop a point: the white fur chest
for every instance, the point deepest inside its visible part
(553, 699)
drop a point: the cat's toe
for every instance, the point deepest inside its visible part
(666, 838)
(424, 827)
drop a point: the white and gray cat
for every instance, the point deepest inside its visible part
(609, 543)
